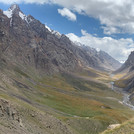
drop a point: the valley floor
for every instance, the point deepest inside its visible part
(62, 103)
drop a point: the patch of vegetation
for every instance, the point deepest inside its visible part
(120, 83)
(88, 126)
(81, 84)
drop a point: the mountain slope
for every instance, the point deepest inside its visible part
(99, 59)
(28, 42)
(125, 128)
(128, 66)
(127, 69)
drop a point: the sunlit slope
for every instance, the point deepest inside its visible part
(125, 128)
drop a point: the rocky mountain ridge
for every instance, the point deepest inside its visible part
(129, 64)
(127, 79)
(27, 41)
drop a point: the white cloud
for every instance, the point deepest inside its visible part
(119, 49)
(25, 1)
(67, 13)
(116, 16)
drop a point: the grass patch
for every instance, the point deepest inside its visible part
(83, 85)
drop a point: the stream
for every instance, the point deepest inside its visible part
(126, 96)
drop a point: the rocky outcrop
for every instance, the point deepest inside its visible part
(16, 119)
(113, 126)
(9, 112)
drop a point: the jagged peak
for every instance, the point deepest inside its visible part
(15, 10)
(14, 7)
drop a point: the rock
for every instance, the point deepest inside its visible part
(21, 124)
(5, 109)
(2, 33)
(112, 126)
(13, 114)
(32, 115)
(48, 126)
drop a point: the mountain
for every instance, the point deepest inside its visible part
(49, 84)
(27, 41)
(126, 72)
(97, 58)
(128, 66)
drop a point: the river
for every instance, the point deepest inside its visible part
(126, 96)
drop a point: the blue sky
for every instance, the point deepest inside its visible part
(104, 24)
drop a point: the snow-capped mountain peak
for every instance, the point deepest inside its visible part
(13, 9)
(8, 13)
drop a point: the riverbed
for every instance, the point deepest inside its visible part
(126, 96)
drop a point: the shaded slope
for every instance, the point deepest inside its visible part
(127, 78)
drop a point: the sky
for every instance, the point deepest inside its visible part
(102, 24)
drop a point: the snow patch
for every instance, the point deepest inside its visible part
(97, 49)
(8, 13)
(11, 22)
(57, 34)
(23, 16)
(48, 28)
(78, 43)
(28, 19)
